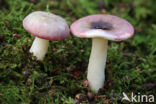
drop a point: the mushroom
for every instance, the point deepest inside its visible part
(101, 28)
(45, 26)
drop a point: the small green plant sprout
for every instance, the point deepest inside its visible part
(100, 28)
(45, 26)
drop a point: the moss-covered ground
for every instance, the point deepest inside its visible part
(131, 64)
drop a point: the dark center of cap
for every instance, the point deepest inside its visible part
(101, 25)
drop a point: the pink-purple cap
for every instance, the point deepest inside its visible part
(46, 25)
(102, 25)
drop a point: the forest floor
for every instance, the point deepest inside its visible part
(59, 78)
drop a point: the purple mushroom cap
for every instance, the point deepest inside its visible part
(102, 25)
(46, 25)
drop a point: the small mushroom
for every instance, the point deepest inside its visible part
(45, 26)
(101, 28)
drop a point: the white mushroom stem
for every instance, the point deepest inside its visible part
(39, 48)
(97, 61)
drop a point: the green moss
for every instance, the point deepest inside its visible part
(130, 64)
